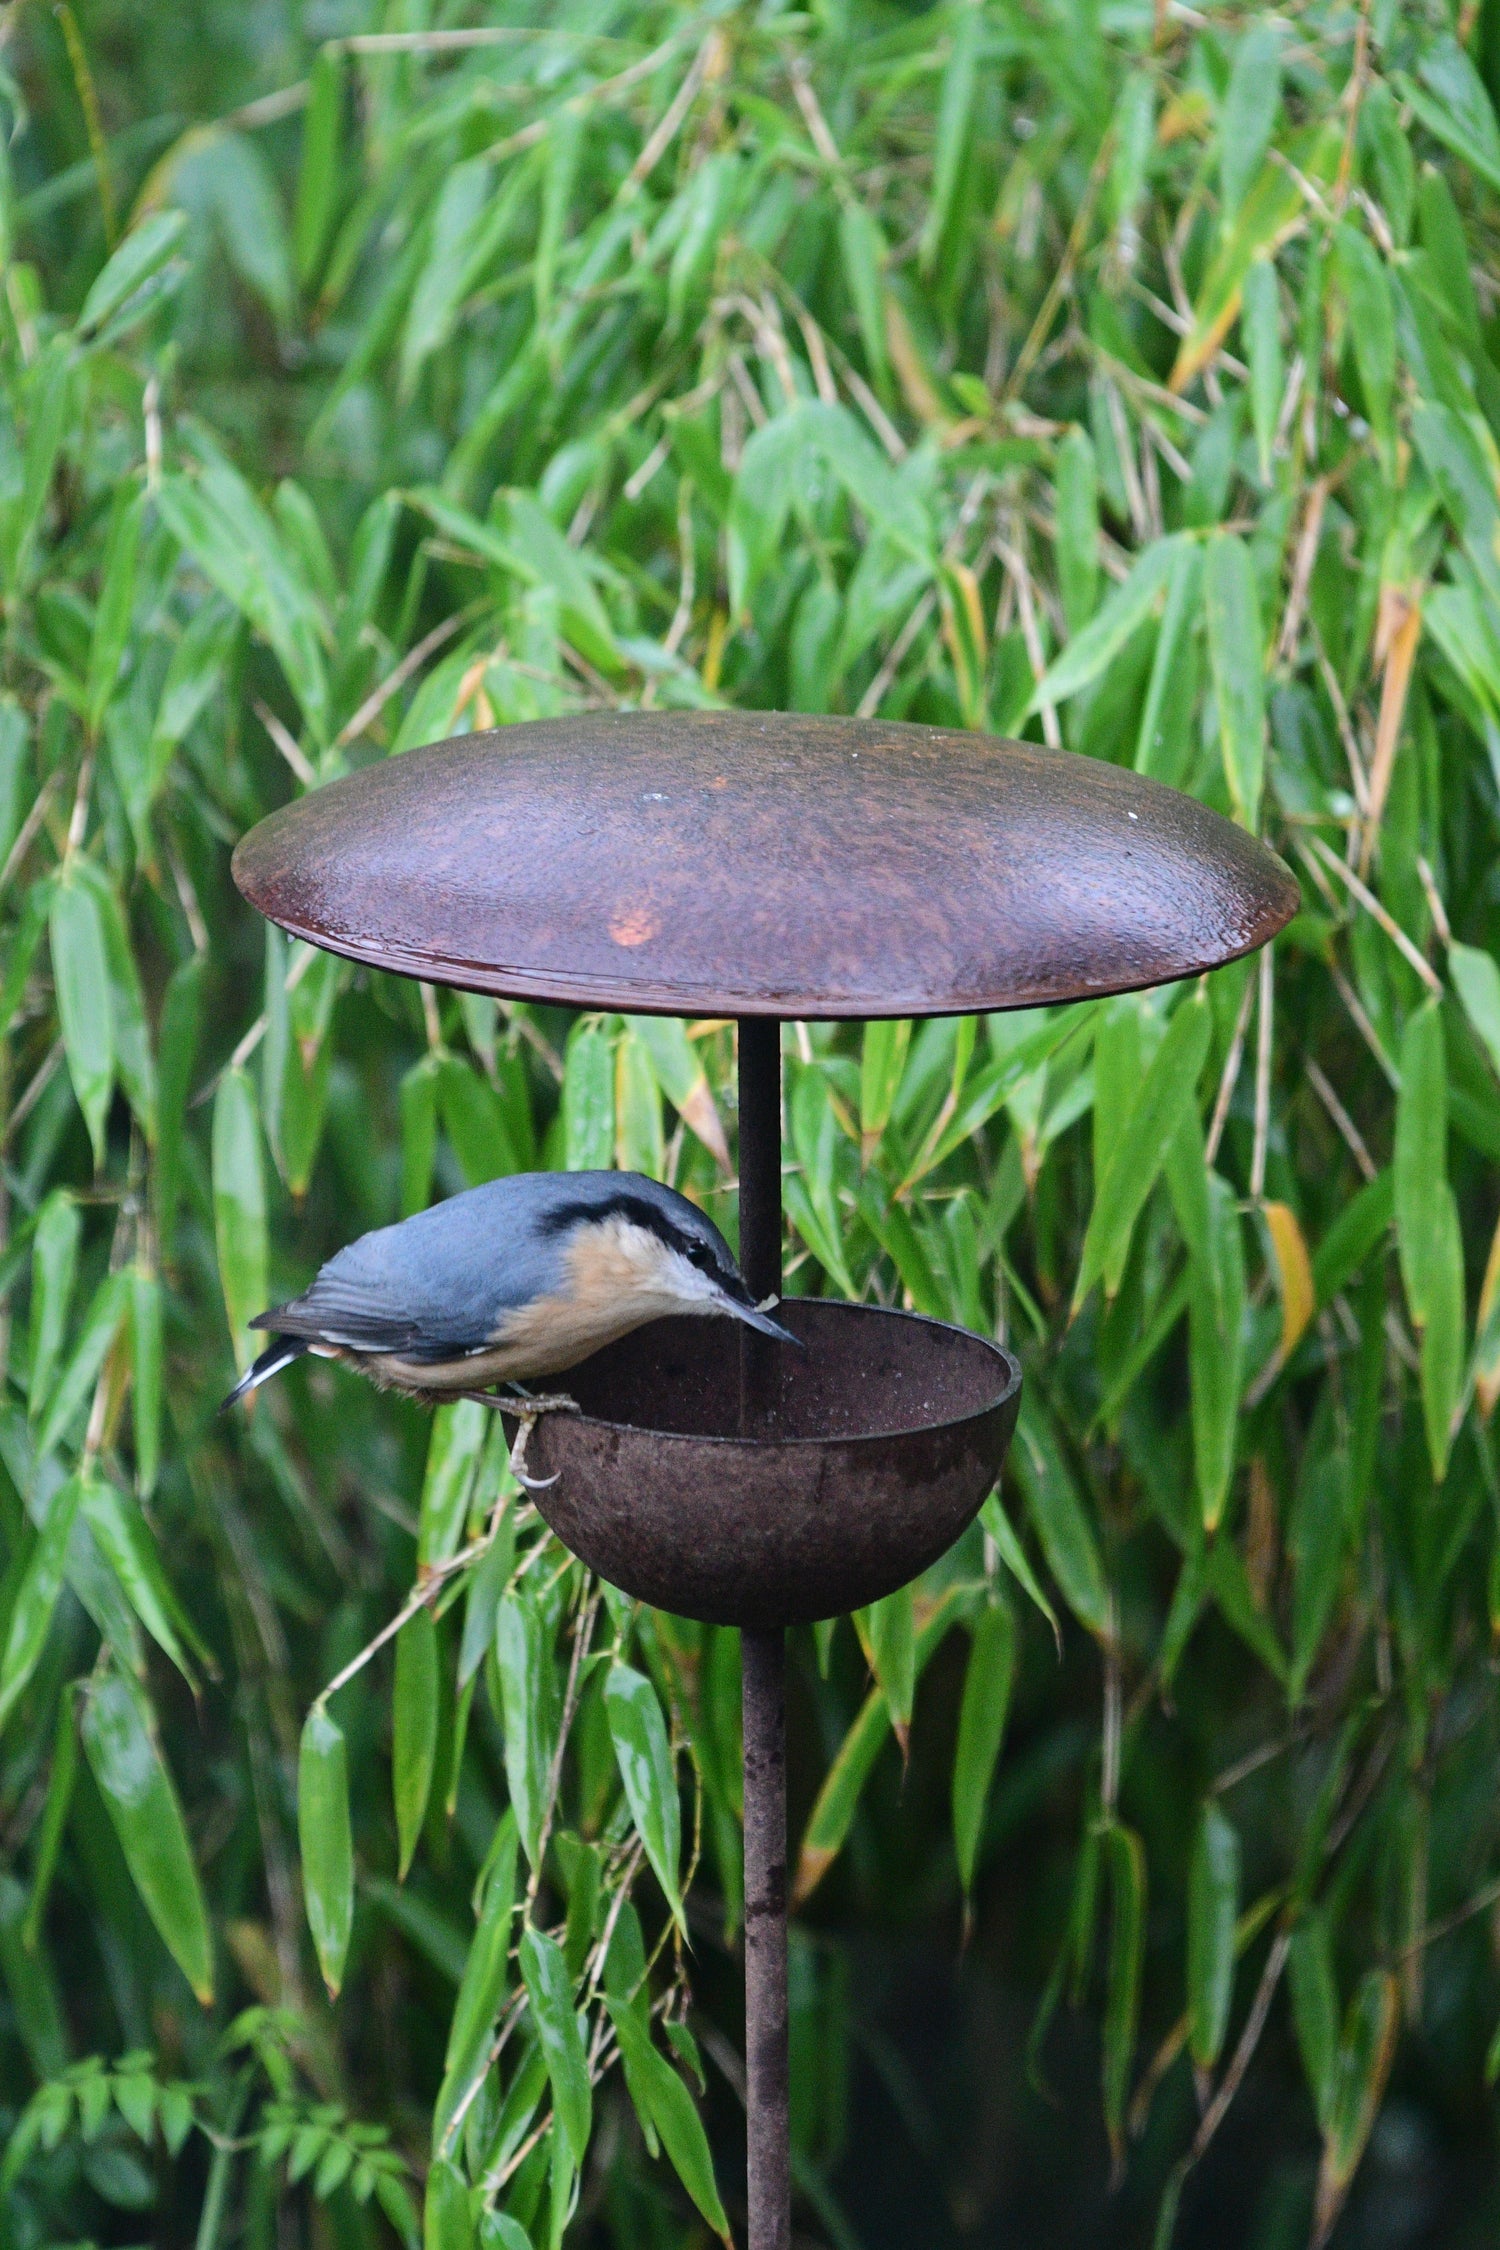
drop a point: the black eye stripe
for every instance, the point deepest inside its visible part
(702, 1254)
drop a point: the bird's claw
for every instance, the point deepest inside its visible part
(530, 1484)
(527, 1411)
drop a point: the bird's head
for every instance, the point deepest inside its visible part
(650, 1244)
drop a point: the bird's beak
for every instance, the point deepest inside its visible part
(763, 1324)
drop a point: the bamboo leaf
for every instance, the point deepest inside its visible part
(101, 1326)
(126, 1543)
(981, 1729)
(116, 601)
(119, 1740)
(146, 1375)
(143, 253)
(644, 1757)
(317, 179)
(1213, 1912)
(181, 1015)
(1421, 1160)
(80, 969)
(1216, 1309)
(327, 1846)
(1372, 325)
(239, 1191)
(1443, 1337)
(1093, 649)
(551, 1996)
(1476, 980)
(1166, 1094)
(36, 1598)
(1294, 1276)
(526, 1693)
(955, 108)
(1013, 1555)
(414, 1715)
(887, 1631)
(1231, 610)
(1315, 2011)
(1360, 2072)
(640, 1144)
(588, 1098)
(454, 1452)
(1064, 1530)
(833, 1811)
(1077, 528)
(54, 1267)
(485, 1978)
(1260, 325)
(1452, 103)
(1249, 112)
(668, 2108)
(447, 2221)
(1125, 1859)
(862, 255)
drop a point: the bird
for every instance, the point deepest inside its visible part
(510, 1282)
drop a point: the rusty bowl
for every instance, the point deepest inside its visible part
(889, 1434)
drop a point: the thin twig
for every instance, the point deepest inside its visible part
(874, 695)
(1435, 905)
(1302, 565)
(376, 701)
(1351, 1135)
(287, 743)
(1478, 1904)
(1253, 1760)
(583, 1633)
(676, 110)
(540, 127)
(1230, 1073)
(1255, 2024)
(46, 1072)
(419, 1598)
(454, 42)
(26, 834)
(1263, 1032)
(1378, 913)
(1061, 280)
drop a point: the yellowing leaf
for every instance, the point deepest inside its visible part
(1487, 1329)
(1293, 1274)
(1269, 213)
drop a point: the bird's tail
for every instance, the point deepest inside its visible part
(279, 1353)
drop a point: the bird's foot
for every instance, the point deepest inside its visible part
(514, 1400)
(554, 1402)
(528, 1411)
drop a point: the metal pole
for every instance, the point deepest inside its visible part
(763, 1657)
(767, 2146)
(760, 1207)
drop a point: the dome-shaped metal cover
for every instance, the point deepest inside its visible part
(743, 863)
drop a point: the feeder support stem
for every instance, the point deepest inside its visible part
(763, 1656)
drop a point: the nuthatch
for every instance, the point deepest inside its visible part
(520, 1278)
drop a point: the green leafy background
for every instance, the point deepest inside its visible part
(1120, 375)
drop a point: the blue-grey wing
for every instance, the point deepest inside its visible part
(439, 1283)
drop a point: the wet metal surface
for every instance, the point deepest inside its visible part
(743, 863)
(889, 1432)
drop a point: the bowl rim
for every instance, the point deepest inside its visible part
(1002, 1398)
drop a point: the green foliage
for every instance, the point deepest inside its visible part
(1120, 378)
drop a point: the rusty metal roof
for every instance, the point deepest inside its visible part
(764, 864)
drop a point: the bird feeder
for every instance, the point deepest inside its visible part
(770, 868)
